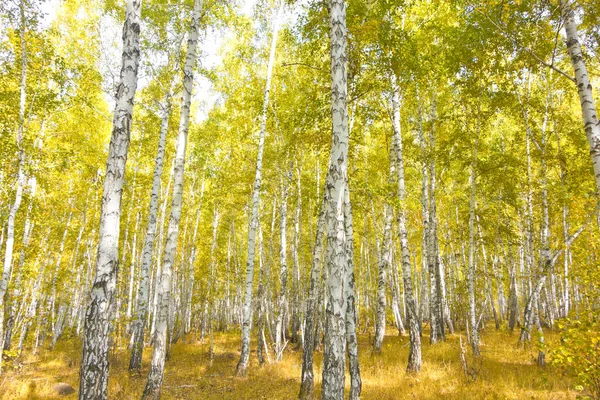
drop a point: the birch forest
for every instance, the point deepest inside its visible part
(299, 199)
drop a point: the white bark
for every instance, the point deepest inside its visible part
(94, 364)
(282, 306)
(385, 263)
(16, 292)
(584, 88)
(471, 273)
(242, 365)
(351, 338)
(10, 228)
(414, 358)
(307, 385)
(143, 297)
(334, 357)
(156, 374)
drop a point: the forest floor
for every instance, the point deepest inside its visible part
(505, 372)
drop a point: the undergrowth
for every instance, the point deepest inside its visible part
(506, 372)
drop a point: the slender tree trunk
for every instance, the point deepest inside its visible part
(242, 365)
(159, 251)
(282, 306)
(435, 275)
(296, 278)
(584, 87)
(397, 306)
(212, 284)
(351, 338)
(567, 283)
(132, 270)
(262, 347)
(385, 263)
(34, 300)
(307, 385)
(156, 374)
(143, 298)
(471, 280)
(16, 292)
(414, 356)
(10, 228)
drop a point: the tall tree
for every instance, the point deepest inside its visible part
(414, 328)
(242, 365)
(584, 87)
(334, 356)
(157, 366)
(10, 228)
(93, 381)
(143, 298)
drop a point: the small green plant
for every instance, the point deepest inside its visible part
(579, 353)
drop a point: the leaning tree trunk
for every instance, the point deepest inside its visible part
(584, 88)
(414, 356)
(242, 365)
(143, 297)
(334, 357)
(156, 374)
(16, 292)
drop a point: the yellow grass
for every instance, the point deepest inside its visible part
(506, 372)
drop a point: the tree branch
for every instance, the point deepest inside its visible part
(527, 49)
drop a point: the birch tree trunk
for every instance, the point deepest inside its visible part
(16, 292)
(34, 300)
(156, 374)
(471, 274)
(143, 298)
(435, 267)
(94, 363)
(154, 284)
(307, 385)
(10, 226)
(351, 339)
(282, 306)
(334, 357)
(584, 87)
(242, 365)
(212, 284)
(296, 308)
(385, 264)
(414, 356)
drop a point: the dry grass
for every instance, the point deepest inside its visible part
(506, 373)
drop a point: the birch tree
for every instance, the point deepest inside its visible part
(334, 356)
(307, 378)
(156, 374)
(473, 322)
(93, 382)
(242, 365)
(584, 87)
(385, 263)
(143, 298)
(414, 329)
(10, 228)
